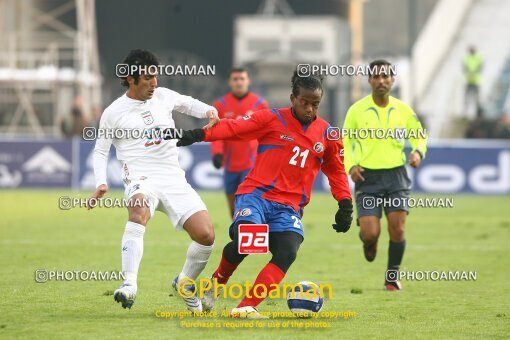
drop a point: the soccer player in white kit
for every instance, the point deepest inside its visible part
(152, 174)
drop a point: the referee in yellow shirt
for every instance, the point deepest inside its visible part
(374, 135)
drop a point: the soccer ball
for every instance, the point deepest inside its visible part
(305, 298)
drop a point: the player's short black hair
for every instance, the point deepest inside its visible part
(237, 70)
(311, 82)
(380, 62)
(138, 57)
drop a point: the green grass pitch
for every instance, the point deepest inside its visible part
(35, 234)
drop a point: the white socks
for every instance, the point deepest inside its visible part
(196, 259)
(132, 251)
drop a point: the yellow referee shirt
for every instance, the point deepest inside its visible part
(473, 68)
(374, 136)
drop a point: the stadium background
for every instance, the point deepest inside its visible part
(57, 74)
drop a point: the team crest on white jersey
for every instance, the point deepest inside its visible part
(318, 147)
(147, 118)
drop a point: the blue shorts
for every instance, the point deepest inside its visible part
(233, 179)
(280, 217)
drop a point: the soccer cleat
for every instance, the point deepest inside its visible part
(247, 312)
(209, 299)
(369, 250)
(392, 286)
(126, 295)
(188, 294)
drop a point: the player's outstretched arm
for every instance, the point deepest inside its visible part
(213, 119)
(247, 128)
(217, 146)
(185, 137)
(193, 107)
(187, 104)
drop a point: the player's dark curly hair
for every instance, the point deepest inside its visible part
(311, 82)
(138, 57)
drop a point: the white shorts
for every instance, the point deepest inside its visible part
(177, 200)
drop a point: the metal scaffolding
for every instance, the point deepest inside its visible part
(48, 61)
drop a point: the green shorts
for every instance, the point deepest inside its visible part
(386, 189)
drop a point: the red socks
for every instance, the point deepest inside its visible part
(224, 271)
(271, 274)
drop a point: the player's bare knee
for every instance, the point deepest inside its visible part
(139, 215)
(370, 235)
(205, 236)
(370, 228)
(208, 238)
(200, 228)
(396, 226)
(397, 232)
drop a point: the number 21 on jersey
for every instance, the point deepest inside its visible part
(297, 153)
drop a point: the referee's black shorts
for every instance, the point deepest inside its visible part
(383, 189)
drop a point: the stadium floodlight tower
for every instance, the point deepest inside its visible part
(271, 43)
(49, 57)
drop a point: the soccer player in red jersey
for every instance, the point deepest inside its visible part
(293, 147)
(236, 157)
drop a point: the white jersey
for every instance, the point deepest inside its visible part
(143, 157)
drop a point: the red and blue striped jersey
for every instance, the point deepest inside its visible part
(289, 156)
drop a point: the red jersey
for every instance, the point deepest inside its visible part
(289, 156)
(237, 155)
